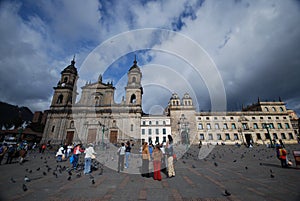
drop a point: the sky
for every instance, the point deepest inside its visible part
(225, 54)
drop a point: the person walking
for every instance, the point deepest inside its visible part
(76, 152)
(145, 160)
(127, 154)
(170, 153)
(121, 153)
(59, 154)
(89, 155)
(157, 157)
(281, 155)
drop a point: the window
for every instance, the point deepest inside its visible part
(164, 131)
(207, 118)
(156, 131)
(143, 131)
(210, 137)
(227, 136)
(277, 117)
(269, 118)
(291, 136)
(236, 137)
(149, 131)
(271, 125)
(164, 139)
(258, 136)
(245, 126)
(267, 136)
(225, 126)
(255, 126)
(223, 118)
(281, 109)
(150, 122)
(215, 118)
(283, 136)
(261, 118)
(275, 136)
(72, 124)
(201, 136)
(156, 140)
(199, 118)
(279, 126)
(233, 126)
(60, 99)
(164, 123)
(208, 126)
(273, 109)
(133, 79)
(231, 118)
(150, 140)
(131, 127)
(156, 122)
(144, 123)
(253, 117)
(217, 126)
(53, 127)
(219, 137)
(200, 126)
(287, 125)
(266, 109)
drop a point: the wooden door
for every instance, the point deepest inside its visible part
(91, 138)
(69, 137)
(113, 138)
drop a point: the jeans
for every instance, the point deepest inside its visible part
(121, 163)
(127, 154)
(87, 165)
(75, 162)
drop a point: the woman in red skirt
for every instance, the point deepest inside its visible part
(157, 156)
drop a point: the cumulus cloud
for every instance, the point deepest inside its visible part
(254, 45)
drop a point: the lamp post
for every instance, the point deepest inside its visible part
(267, 127)
(103, 129)
(184, 126)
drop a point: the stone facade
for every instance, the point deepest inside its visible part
(97, 118)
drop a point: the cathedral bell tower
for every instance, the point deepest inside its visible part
(65, 91)
(134, 89)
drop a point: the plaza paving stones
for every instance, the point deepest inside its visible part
(245, 173)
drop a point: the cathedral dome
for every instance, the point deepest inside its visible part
(71, 68)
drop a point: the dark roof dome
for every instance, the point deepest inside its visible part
(71, 68)
(134, 66)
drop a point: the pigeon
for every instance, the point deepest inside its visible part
(12, 180)
(271, 171)
(30, 171)
(78, 175)
(93, 181)
(193, 166)
(26, 169)
(26, 179)
(25, 187)
(234, 161)
(216, 164)
(272, 176)
(38, 169)
(227, 193)
(183, 162)
(44, 173)
(246, 168)
(69, 172)
(69, 178)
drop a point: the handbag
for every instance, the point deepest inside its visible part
(93, 156)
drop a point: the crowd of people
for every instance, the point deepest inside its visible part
(161, 156)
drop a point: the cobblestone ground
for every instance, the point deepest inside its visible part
(246, 173)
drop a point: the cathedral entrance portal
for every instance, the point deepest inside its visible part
(69, 137)
(113, 138)
(91, 138)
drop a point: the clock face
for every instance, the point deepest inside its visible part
(63, 84)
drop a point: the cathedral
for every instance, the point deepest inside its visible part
(97, 118)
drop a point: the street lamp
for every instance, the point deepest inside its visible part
(103, 129)
(184, 126)
(267, 127)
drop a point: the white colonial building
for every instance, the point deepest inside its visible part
(155, 128)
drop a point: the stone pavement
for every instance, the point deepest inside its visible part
(246, 173)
